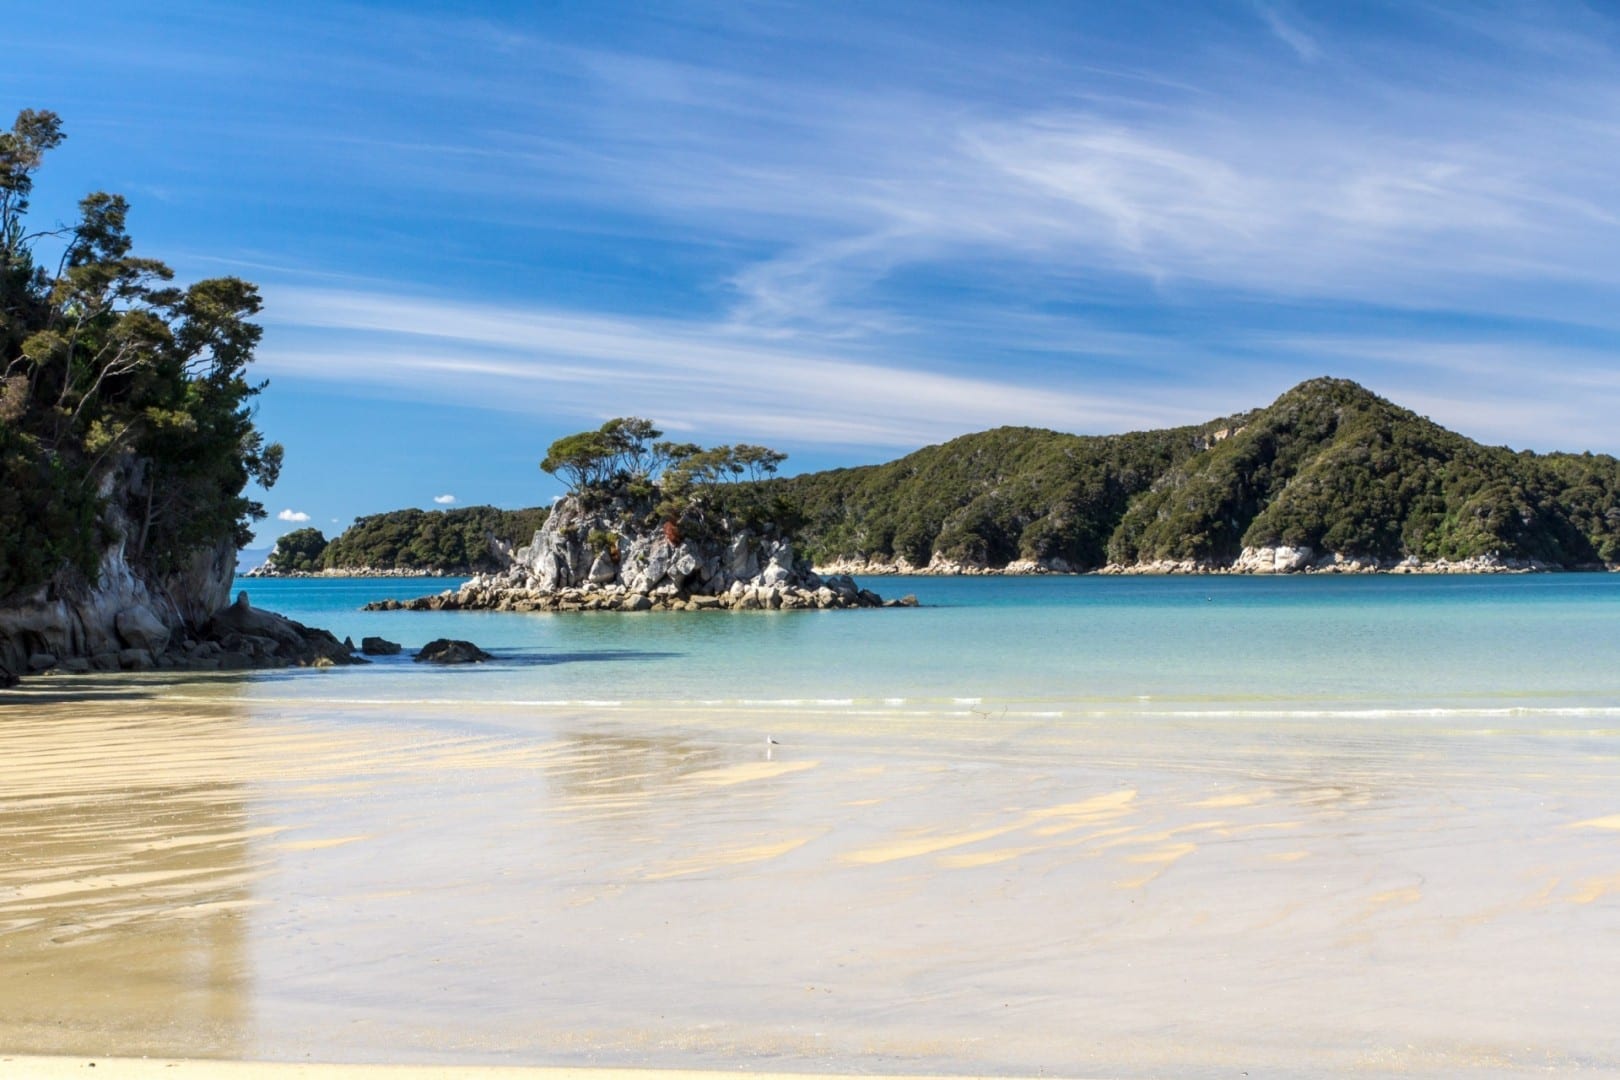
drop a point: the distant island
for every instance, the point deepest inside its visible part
(463, 541)
(1328, 478)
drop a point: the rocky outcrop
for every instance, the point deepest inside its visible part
(128, 619)
(1303, 560)
(376, 646)
(121, 621)
(602, 556)
(942, 566)
(265, 570)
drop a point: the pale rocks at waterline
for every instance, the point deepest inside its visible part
(588, 560)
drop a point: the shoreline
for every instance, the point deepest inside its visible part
(1155, 569)
(40, 1067)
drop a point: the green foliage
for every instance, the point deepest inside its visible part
(1328, 466)
(698, 491)
(1335, 468)
(300, 551)
(113, 380)
(453, 541)
(988, 498)
(621, 453)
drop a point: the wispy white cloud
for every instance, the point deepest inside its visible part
(1454, 184)
(687, 374)
(292, 515)
(1284, 24)
(444, 500)
(915, 231)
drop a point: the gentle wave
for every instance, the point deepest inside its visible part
(962, 707)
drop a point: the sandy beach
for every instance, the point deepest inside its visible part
(220, 876)
(80, 1068)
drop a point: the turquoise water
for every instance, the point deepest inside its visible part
(1058, 645)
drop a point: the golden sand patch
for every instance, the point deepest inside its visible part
(749, 772)
(923, 844)
(730, 857)
(1610, 822)
(320, 844)
(1045, 821)
(1236, 799)
(1594, 889)
(972, 860)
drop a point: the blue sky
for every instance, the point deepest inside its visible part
(849, 230)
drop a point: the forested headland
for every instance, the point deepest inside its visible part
(127, 442)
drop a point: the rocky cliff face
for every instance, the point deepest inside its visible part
(580, 547)
(128, 619)
(124, 618)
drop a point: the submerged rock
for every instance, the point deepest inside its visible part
(376, 646)
(449, 651)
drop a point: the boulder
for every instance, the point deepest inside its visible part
(376, 646)
(447, 651)
(139, 628)
(7, 679)
(603, 569)
(252, 634)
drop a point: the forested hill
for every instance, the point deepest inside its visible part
(448, 541)
(1329, 466)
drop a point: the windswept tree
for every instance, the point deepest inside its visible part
(622, 452)
(682, 479)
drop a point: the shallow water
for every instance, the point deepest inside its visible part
(1072, 826)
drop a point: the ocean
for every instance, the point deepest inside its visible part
(1071, 826)
(1070, 646)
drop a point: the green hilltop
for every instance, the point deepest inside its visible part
(1328, 466)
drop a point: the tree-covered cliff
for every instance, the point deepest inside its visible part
(125, 414)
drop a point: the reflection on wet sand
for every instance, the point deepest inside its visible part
(123, 891)
(1002, 894)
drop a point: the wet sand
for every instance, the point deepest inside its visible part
(242, 878)
(80, 1068)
